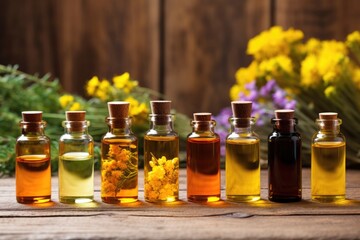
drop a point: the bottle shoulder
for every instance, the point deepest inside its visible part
(110, 137)
(284, 136)
(33, 138)
(244, 136)
(76, 137)
(154, 132)
(328, 137)
(207, 134)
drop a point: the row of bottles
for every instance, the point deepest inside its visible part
(119, 158)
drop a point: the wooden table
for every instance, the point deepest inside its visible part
(183, 220)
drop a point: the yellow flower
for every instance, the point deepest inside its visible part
(162, 179)
(313, 45)
(136, 107)
(329, 91)
(92, 85)
(103, 90)
(66, 100)
(75, 106)
(273, 42)
(123, 82)
(354, 37)
(309, 72)
(234, 92)
(275, 67)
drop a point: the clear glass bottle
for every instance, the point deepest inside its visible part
(76, 160)
(203, 160)
(242, 159)
(119, 157)
(328, 158)
(33, 168)
(161, 156)
(284, 158)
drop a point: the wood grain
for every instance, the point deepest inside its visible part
(324, 19)
(182, 220)
(205, 43)
(75, 40)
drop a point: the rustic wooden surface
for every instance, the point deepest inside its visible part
(183, 220)
(189, 49)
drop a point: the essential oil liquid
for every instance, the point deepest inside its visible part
(328, 171)
(33, 176)
(203, 169)
(119, 171)
(76, 177)
(161, 168)
(242, 170)
(285, 169)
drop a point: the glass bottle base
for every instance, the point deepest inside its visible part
(328, 198)
(117, 200)
(284, 199)
(204, 198)
(77, 199)
(242, 198)
(31, 200)
(167, 200)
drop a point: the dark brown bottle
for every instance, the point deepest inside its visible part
(284, 156)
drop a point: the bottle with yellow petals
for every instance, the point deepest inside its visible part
(161, 156)
(119, 157)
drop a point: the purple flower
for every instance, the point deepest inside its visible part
(279, 97)
(223, 117)
(267, 88)
(290, 105)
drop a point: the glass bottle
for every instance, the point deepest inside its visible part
(119, 157)
(284, 158)
(242, 160)
(76, 160)
(203, 160)
(328, 158)
(161, 156)
(33, 168)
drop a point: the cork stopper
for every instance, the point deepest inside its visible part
(284, 120)
(118, 109)
(160, 107)
(241, 109)
(329, 119)
(284, 114)
(202, 116)
(75, 116)
(32, 116)
(328, 115)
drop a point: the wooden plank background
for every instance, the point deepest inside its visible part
(188, 49)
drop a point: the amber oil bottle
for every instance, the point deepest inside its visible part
(242, 160)
(284, 158)
(33, 170)
(203, 160)
(328, 158)
(76, 160)
(119, 157)
(161, 156)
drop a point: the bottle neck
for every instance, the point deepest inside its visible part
(33, 128)
(119, 126)
(242, 125)
(329, 125)
(76, 127)
(161, 123)
(284, 125)
(203, 126)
